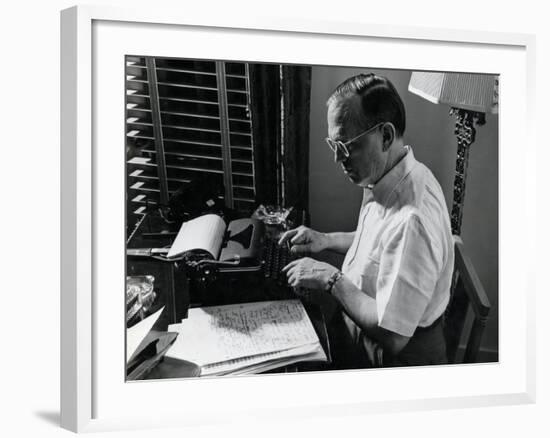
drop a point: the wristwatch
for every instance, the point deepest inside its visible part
(332, 280)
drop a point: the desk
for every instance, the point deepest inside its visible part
(173, 286)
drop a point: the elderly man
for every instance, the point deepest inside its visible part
(394, 284)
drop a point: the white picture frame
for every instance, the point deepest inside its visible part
(87, 367)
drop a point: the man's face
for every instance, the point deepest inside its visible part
(366, 162)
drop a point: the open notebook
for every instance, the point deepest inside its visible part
(246, 338)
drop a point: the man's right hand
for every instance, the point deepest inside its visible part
(304, 240)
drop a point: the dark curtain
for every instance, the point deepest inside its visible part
(296, 86)
(266, 109)
(291, 161)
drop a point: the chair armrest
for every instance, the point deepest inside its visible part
(472, 284)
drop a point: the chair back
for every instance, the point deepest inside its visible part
(466, 291)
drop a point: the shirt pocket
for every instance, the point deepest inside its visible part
(369, 277)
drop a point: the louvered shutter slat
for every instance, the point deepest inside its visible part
(142, 180)
(193, 141)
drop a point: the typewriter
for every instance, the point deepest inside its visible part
(240, 263)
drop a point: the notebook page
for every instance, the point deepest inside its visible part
(221, 333)
(315, 356)
(262, 362)
(205, 232)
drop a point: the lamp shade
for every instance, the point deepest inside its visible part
(475, 92)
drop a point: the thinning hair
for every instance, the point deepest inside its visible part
(380, 101)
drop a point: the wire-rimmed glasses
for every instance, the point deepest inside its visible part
(337, 145)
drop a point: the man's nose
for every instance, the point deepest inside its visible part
(339, 155)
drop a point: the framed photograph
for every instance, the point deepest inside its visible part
(193, 149)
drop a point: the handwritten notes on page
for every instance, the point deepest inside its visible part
(251, 332)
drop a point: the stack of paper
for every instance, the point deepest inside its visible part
(246, 338)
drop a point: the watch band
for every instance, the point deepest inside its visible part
(332, 280)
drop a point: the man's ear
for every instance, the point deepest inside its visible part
(388, 135)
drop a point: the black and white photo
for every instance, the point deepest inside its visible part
(304, 218)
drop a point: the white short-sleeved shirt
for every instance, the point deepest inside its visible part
(402, 254)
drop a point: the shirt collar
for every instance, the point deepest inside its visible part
(383, 188)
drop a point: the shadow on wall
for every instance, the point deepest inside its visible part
(335, 201)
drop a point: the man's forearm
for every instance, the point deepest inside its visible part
(359, 306)
(362, 310)
(339, 242)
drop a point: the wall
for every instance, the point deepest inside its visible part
(334, 200)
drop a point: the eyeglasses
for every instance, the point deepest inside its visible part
(343, 148)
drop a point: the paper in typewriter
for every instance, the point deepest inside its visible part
(213, 335)
(203, 233)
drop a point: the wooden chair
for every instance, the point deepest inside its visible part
(466, 290)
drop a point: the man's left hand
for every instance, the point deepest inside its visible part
(308, 273)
